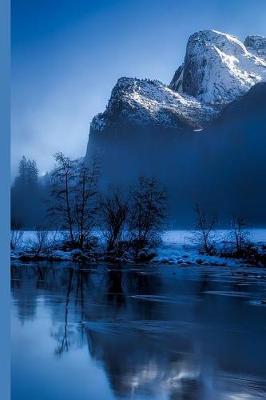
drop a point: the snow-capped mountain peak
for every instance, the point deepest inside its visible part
(148, 102)
(218, 67)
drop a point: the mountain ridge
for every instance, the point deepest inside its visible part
(212, 154)
(218, 69)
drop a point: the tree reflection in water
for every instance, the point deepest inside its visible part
(155, 335)
(62, 335)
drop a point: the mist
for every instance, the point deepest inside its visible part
(222, 167)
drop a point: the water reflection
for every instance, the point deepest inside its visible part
(177, 334)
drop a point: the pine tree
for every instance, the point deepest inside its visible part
(25, 195)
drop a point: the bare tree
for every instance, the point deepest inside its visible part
(239, 235)
(74, 195)
(41, 241)
(63, 178)
(147, 211)
(16, 235)
(114, 209)
(204, 230)
(85, 201)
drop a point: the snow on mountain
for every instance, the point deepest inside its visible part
(218, 68)
(146, 102)
(256, 45)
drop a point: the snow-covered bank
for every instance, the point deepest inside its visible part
(177, 248)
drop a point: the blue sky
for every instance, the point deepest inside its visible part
(68, 54)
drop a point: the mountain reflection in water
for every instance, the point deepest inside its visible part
(137, 333)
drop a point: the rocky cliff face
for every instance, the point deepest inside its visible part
(204, 135)
(256, 45)
(138, 102)
(218, 68)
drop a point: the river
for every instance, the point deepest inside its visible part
(138, 332)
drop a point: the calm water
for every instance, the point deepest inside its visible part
(138, 333)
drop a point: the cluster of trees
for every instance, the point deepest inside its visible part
(133, 216)
(138, 217)
(73, 203)
(70, 200)
(238, 237)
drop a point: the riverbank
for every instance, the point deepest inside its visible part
(177, 247)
